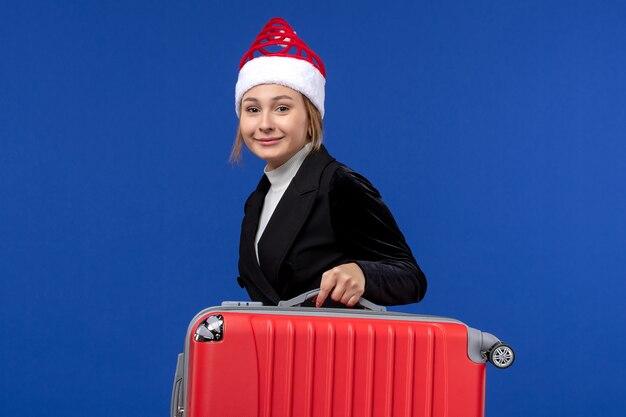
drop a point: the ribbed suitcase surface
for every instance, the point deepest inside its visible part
(332, 365)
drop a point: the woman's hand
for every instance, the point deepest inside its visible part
(346, 282)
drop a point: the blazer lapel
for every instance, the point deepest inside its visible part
(247, 255)
(291, 213)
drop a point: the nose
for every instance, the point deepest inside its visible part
(266, 124)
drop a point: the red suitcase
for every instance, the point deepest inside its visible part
(243, 359)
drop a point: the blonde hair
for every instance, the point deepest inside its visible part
(314, 134)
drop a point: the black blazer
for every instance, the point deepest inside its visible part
(328, 216)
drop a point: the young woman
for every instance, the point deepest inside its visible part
(312, 222)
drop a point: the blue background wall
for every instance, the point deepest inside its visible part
(494, 130)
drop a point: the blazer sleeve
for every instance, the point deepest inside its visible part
(370, 237)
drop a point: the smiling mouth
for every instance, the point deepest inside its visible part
(267, 141)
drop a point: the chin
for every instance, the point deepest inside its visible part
(268, 152)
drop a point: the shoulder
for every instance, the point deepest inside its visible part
(348, 183)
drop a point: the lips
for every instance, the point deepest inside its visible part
(267, 141)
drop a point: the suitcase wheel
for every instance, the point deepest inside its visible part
(501, 355)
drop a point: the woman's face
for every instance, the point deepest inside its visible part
(273, 123)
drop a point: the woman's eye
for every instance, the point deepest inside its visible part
(252, 110)
(282, 108)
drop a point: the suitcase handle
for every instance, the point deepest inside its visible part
(298, 300)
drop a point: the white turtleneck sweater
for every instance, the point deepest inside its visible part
(279, 178)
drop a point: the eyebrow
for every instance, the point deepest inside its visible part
(283, 97)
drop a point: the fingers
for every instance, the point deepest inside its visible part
(327, 284)
(352, 301)
(345, 284)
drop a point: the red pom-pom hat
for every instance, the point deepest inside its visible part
(279, 56)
